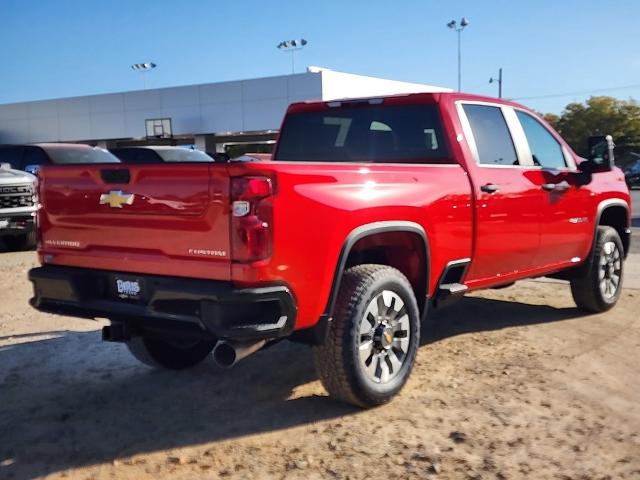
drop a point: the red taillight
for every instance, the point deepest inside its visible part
(251, 218)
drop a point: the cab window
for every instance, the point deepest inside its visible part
(490, 131)
(545, 149)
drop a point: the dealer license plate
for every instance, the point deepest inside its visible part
(128, 288)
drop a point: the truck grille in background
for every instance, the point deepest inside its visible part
(16, 196)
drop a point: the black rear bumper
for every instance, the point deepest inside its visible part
(183, 305)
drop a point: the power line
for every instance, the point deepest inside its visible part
(583, 92)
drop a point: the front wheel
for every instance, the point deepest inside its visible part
(373, 338)
(600, 289)
(174, 353)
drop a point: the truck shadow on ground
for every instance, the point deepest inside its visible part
(73, 401)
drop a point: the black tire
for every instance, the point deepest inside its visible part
(340, 367)
(26, 241)
(174, 354)
(587, 291)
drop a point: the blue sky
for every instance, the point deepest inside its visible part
(63, 48)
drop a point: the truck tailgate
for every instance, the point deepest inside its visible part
(167, 219)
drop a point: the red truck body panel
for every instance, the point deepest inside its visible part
(318, 205)
(178, 209)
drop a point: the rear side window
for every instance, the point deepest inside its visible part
(545, 149)
(490, 131)
(363, 132)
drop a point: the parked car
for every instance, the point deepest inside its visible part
(632, 174)
(159, 154)
(30, 158)
(18, 206)
(370, 213)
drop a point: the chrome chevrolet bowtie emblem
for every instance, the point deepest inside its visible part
(116, 198)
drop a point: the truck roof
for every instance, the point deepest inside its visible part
(407, 98)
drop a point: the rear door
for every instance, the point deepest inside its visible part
(507, 222)
(159, 219)
(566, 227)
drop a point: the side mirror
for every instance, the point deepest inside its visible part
(600, 158)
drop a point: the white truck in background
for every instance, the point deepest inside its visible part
(18, 205)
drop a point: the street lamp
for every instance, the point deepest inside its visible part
(292, 46)
(453, 25)
(143, 68)
(499, 81)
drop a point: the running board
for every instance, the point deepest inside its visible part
(450, 283)
(452, 289)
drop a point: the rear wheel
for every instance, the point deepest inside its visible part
(173, 353)
(600, 289)
(373, 338)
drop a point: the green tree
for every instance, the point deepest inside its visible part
(599, 116)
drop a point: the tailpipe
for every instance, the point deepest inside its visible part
(227, 354)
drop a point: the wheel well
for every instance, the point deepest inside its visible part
(617, 217)
(405, 251)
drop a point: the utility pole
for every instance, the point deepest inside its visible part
(453, 25)
(499, 81)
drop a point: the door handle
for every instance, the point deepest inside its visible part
(490, 188)
(558, 187)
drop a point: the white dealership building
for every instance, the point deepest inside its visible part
(211, 115)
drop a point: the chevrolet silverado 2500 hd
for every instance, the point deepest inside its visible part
(370, 211)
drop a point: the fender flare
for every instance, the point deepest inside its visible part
(602, 206)
(583, 269)
(365, 231)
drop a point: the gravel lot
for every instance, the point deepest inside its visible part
(512, 383)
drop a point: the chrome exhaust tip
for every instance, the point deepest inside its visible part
(227, 354)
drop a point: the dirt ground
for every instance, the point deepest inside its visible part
(512, 383)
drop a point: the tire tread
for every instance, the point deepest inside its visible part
(333, 365)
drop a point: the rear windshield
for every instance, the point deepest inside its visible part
(64, 156)
(364, 133)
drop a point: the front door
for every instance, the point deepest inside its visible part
(566, 226)
(507, 210)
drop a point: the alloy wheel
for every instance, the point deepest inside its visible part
(384, 337)
(610, 270)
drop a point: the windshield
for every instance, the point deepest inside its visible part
(74, 155)
(183, 155)
(364, 133)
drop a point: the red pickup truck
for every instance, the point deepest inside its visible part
(370, 212)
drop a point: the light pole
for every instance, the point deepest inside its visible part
(453, 25)
(499, 81)
(143, 68)
(292, 46)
